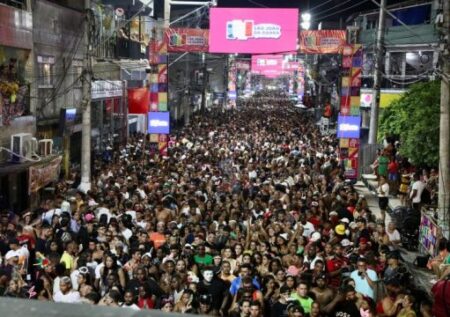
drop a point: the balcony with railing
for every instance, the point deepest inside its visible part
(408, 25)
(120, 37)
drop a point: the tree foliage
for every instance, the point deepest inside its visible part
(415, 118)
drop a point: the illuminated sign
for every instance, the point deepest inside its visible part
(349, 127)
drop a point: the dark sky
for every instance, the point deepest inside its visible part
(322, 9)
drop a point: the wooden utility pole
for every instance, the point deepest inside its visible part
(373, 130)
(444, 131)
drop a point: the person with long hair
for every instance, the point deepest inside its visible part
(111, 267)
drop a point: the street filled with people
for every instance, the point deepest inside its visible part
(248, 215)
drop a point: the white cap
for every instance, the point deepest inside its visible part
(315, 236)
(11, 254)
(346, 243)
(345, 220)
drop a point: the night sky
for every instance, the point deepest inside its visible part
(327, 9)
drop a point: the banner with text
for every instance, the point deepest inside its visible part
(253, 31)
(322, 41)
(180, 40)
(41, 175)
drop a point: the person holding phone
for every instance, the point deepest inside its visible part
(365, 279)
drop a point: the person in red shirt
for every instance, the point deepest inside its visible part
(393, 175)
(336, 264)
(441, 294)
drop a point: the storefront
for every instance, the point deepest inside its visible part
(109, 113)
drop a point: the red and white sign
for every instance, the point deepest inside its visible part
(322, 41)
(268, 65)
(186, 40)
(253, 31)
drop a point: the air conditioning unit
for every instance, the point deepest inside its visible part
(23, 146)
(45, 147)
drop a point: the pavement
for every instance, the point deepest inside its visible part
(423, 278)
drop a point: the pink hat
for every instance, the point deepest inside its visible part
(89, 217)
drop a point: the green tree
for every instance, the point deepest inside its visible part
(415, 118)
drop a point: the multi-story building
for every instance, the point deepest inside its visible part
(42, 49)
(16, 76)
(410, 44)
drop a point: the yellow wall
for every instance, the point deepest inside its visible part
(387, 98)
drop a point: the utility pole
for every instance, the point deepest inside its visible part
(378, 75)
(86, 105)
(444, 130)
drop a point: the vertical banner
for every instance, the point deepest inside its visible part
(232, 93)
(158, 98)
(242, 77)
(349, 155)
(300, 81)
(349, 121)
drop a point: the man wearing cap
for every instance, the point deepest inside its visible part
(10, 264)
(324, 294)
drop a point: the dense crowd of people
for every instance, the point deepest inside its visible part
(248, 215)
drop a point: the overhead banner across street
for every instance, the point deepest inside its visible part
(322, 41)
(253, 31)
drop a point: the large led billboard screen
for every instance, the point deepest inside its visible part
(253, 31)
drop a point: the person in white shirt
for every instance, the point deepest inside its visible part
(383, 193)
(416, 192)
(308, 227)
(66, 294)
(394, 236)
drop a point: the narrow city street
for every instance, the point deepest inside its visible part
(241, 158)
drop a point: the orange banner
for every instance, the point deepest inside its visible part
(322, 41)
(186, 40)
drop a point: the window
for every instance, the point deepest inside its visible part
(45, 69)
(19, 4)
(397, 60)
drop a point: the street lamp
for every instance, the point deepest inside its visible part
(306, 21)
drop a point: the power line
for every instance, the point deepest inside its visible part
(332, 8)
(343, 10)
(258, 4)
(319, 5)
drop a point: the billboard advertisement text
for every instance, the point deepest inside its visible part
(253, 31)
(159, 122)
